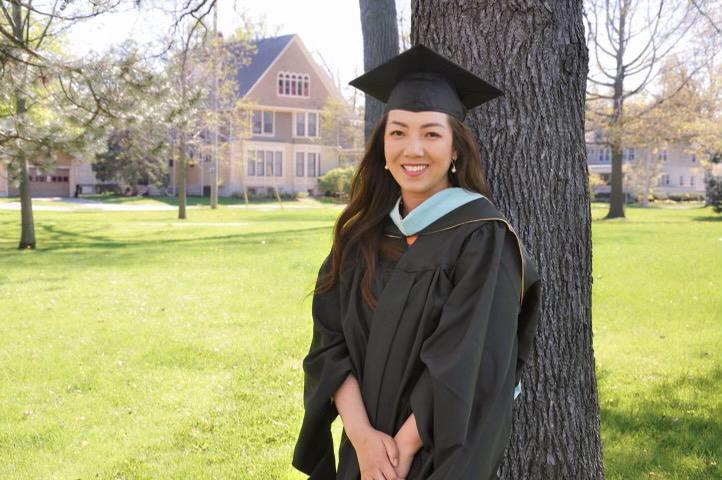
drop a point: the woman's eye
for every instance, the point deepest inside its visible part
(396, 131)
(433, 134)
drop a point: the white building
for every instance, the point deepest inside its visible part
(678, 170)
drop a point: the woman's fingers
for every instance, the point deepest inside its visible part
(378, 476)
(392, 450)
(389, 473)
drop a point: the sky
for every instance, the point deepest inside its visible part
(330, 29)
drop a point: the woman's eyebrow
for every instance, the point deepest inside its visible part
(426, 125)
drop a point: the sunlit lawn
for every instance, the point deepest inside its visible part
(136, 346)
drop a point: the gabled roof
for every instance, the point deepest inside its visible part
(267, 50)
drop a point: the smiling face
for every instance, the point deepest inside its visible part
(418, 147)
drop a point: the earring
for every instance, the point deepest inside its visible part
(386, 166)
(453, 165)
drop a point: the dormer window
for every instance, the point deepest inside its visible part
(294, 84)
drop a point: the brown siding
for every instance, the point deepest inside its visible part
(291, 60)
(282, 125)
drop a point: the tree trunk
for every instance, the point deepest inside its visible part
(616, 198)
(27, 233)
(181, 175)
(647, 184)
(381, 42)
(181, 171)
(216, 121)
(533, 150)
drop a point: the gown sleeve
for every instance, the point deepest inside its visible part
(463, 400)
(325, 368)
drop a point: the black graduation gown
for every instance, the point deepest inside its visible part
(452, 329)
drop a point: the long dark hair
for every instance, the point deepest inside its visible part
(374, 193)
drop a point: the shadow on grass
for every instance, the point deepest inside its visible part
(190, 200)
(718, 218)
(672, 443)
(74, 242)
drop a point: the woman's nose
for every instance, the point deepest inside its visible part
(413, 148)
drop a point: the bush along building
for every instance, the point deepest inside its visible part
(280, 147)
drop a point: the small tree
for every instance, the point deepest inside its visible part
(610, 30)
(133, 159)
(713, 193)
(51, 103)
(338, 125)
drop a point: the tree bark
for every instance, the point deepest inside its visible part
(27, 232)
(616, 197)
(533, 150)
(381, 42)
(182, 146)
(181, 176)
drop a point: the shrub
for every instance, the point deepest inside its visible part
(337, 181)
(713, 191)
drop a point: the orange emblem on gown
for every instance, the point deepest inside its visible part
(411, 239)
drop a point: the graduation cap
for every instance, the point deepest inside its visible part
(420, 79)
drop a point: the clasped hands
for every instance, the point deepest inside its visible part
(382, 457)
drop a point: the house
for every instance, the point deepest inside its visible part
(287, 90)
(58, 181)
(672, 170)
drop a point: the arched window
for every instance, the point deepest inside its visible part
(294, 84)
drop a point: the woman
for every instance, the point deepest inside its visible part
(425, 309)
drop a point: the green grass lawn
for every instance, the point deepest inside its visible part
(137, 346)
(190, 200)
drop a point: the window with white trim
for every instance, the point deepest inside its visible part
(265, 163)
(262, 122)
(300, 164)
(606, 154)
(628, 154)
(278, 163)
(308, 164)
(293, 84)
(306, 124)
(311, 164)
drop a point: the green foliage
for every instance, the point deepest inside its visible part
(595, 180)
(337, 181)
(128, 160)
(340, 125)
(713, 191)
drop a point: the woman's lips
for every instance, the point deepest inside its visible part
(413, 170)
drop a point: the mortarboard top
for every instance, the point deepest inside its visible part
(420, 79)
